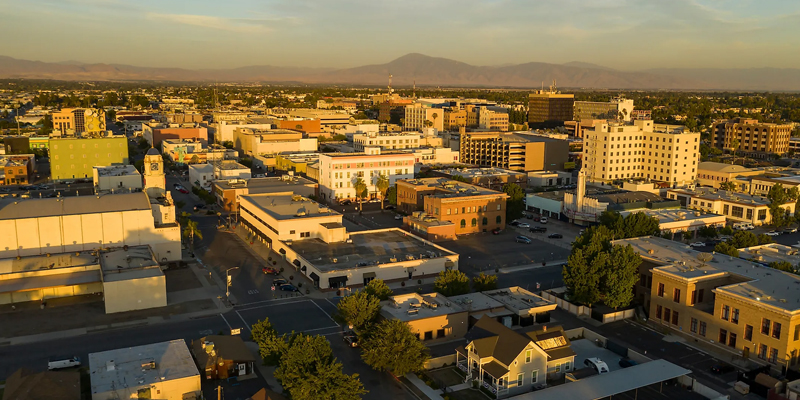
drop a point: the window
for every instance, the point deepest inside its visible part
(765, 326)
(291, 232)
(797, 332)
(702, 331)
(463, 223)
(667, 314)
(700, 296)
(676, 295)
(535, 377)
(748, 332)
(693, 298)
(725, 313)
(658, 312)
(474, 222)
(732, 340)
(675, 318)
(520, 379)
(660, 290)
(440, 333)
(773, 356)
(693, 325)
(485, 221)
(735, 316)
(499, 219)
(528, 354)
(498, 207)
(428, 335)
(776, 330)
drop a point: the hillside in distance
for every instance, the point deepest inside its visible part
(427, 71)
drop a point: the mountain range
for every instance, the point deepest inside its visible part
(427, 71)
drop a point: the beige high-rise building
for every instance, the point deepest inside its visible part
(642, 151)
(755, 139)
(419, 116)
(492, 120)
(511, 151)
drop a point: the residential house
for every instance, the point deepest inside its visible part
(222, 357)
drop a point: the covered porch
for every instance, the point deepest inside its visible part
(490, 374)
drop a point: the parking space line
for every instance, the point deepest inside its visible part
(267, 301)
(321, 329)
(329, 316)
(328, 300)
(245, 322)
(272, 305)
(226, 321)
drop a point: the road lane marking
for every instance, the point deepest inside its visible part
(272, 305)
(245, 322)
(226, 321)
(329, 316)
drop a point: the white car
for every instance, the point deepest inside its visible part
(398, 217)
(698, 244)
(773, 233)
(524, 225)
(543, 220)
(599, 365)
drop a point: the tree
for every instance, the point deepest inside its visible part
(379, 289)
(358, 309)
(688, 235)
(707, 232)
(797, 210)
(729, 186)
(621, 275)
(726, 248)
(383, 186)
(190, 230)
(484, 282)
(514, 204)
(361, 192)
(742, 239)
(778, 196)
(734, 146)
(194, 160)
(391, 195)
(308, 371)
(634, 225)
(451, 282)
(227, 144)
(434, 115)
(393, 347)
(271, 346)
(783, 266)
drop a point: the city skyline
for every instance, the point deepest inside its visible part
(628, 35)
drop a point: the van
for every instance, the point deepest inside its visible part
(61, 363)
(741, 226)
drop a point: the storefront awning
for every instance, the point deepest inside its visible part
(296, 262)
(337, 281)
(314, 277)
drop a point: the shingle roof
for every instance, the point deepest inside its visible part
(553, 341)
(49, 385)
(493, 339)
(494, 369)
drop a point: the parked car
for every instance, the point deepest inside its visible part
(720, 369)
(599, 365)
(390, 207)
(183, 190)
(61, 363)
(790, 230)
(555, 236)
(543, 220)
(537, 229)
(524, 225)
(514, 223)
(773, 233)
(269, 271)
(523, 239)
(398, 217)
(350, 338)
(537, 218)
(199, 206)
(176, 185)
(529, 216)
(496, 231)
(698, 244)
(279, 281)
(626, 362)
(288, 288)
(345, 202)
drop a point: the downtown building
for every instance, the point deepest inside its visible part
(755, 139)
(513, 151)
(548, 108)
(338, 172)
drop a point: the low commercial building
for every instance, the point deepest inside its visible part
(229, 169)
(734, 305)
(616, 109)
(312, 237)
(491, 178)
(75, 158)
(766, 254)
(593, 202)
(227, 191)
(386, 141)
(419, 116)
(117, 179)
(492, 120)
(223, 357)
(155, 133)
(431, 317)
(680, 220)
(15, 170)
(201, 175)
(549, 178)
(296, 163)
(467, 208)
(736, 207)
(434, 156)
(251, 141)
(713, 174)
(132, 279)
(154, 371)
(338, 172)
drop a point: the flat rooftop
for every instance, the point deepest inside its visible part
(287, 206)
(520, 300)
(708, 193)
(43, 262)
(772, 252)
(761, 284)
(13, 208)
(264, 185)
(474, 302)
(449, 188)
(367, 248)
(478, 172)
(117, 170)
(667, 215)
(135, 262)
(605, 196)
(415, 306)
(128, 369)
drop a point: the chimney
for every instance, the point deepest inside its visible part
(544, 328)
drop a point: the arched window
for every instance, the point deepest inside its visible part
(463, 223)
(485, 221)
(474, 222)
(499, 219)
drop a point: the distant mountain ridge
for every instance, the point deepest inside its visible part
(427, 71)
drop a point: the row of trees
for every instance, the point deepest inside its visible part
(740, 240)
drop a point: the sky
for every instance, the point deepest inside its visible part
(196, 34)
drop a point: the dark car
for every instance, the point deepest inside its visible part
(345, 202)
(514, 223)
(555, 236)
(288, 288)
(529, 216)
(269, 271)
(537, 229)
(199, 206)
(350, 338)
(720, 369)
(496, 231)
(390, 207)
(279, 281)
(523, 239)
(626, 362)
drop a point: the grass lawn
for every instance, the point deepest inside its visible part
(447, 376)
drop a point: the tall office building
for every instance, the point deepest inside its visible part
(548, 108)
(75, 158)
(79, 120)
(755, 139)
(616, 109)
(516, 152)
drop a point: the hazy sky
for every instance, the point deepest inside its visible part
(623, 34)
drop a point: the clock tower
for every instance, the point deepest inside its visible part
(155, 181)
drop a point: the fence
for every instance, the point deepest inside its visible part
(588, 311)
(439, 362)
(617, 316)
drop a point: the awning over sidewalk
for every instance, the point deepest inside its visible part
(337, 281)
(49, 281)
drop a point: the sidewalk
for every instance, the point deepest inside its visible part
(511, 270)
(433, 394)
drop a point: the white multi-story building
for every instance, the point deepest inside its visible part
(642, 151)
(386, 141)
(116, 179)
(223, 130)
(418, 116)
(338, 171)
(201, 175)
(492, 120)
(434, 156)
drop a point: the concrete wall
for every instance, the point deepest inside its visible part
(454, 325)
(135, 294)
(439, 362)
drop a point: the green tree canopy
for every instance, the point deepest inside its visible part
(783, 266)
(361, 191)
(393, 347)
(726, 248)
(484, 282)
(707, 232)
(451, 282)
(778, 196)
(358, 309)
(729, 186)
(391, 195)
(379, 289)
(634, 225)
(514, 204)
(382, 184)
(270, 345)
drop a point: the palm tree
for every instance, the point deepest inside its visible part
(190, 230)
(735, 146)
(383, 186)
(434, 115)
(361, 192)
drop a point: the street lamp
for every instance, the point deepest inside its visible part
(228, 281)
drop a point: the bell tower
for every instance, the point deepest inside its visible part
(155, 181)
